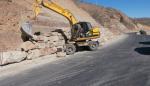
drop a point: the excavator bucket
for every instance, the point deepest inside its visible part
(26, 29)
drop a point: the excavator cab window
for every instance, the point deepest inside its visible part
(86, 26)
(89, 25)
(81, 29)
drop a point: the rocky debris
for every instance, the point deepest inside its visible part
(61, 54)
(37, 53)
(28, 45)
(12, 57)
(48, 51)
(54, 38)
(40, 45)
(44, 44)
(33, 54)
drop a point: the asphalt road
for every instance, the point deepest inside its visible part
(126, 63)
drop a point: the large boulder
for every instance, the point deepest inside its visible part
(51, 45)
(37, 53)
(43, 45)
(28, 45)
(12, 57)
(61, 54)
(33, 54)
(59, 43)
(54, 38)
(41, 38)
(48, 51)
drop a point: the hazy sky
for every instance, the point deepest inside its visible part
(133, 8)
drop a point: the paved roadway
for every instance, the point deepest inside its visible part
(126, 63)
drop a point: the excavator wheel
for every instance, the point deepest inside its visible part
(70, 49)
(93, 45)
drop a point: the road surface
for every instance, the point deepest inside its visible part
(126, 63)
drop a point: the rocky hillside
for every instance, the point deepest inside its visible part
(116, 21)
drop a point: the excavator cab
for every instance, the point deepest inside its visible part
(84, 31)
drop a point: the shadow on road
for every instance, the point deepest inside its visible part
(145, 43)
(143, 50)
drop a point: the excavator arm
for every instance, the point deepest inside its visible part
(56, 8)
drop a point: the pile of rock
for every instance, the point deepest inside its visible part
(40, 45)
(46, 44)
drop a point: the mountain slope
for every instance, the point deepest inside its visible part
(116, 21)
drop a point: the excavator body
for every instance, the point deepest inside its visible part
(82, 33)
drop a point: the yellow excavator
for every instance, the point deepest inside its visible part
(82, 33)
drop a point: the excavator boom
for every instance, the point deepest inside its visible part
(56, 8)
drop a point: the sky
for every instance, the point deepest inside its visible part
(132, 8)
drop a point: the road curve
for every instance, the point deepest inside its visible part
(126, 63)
